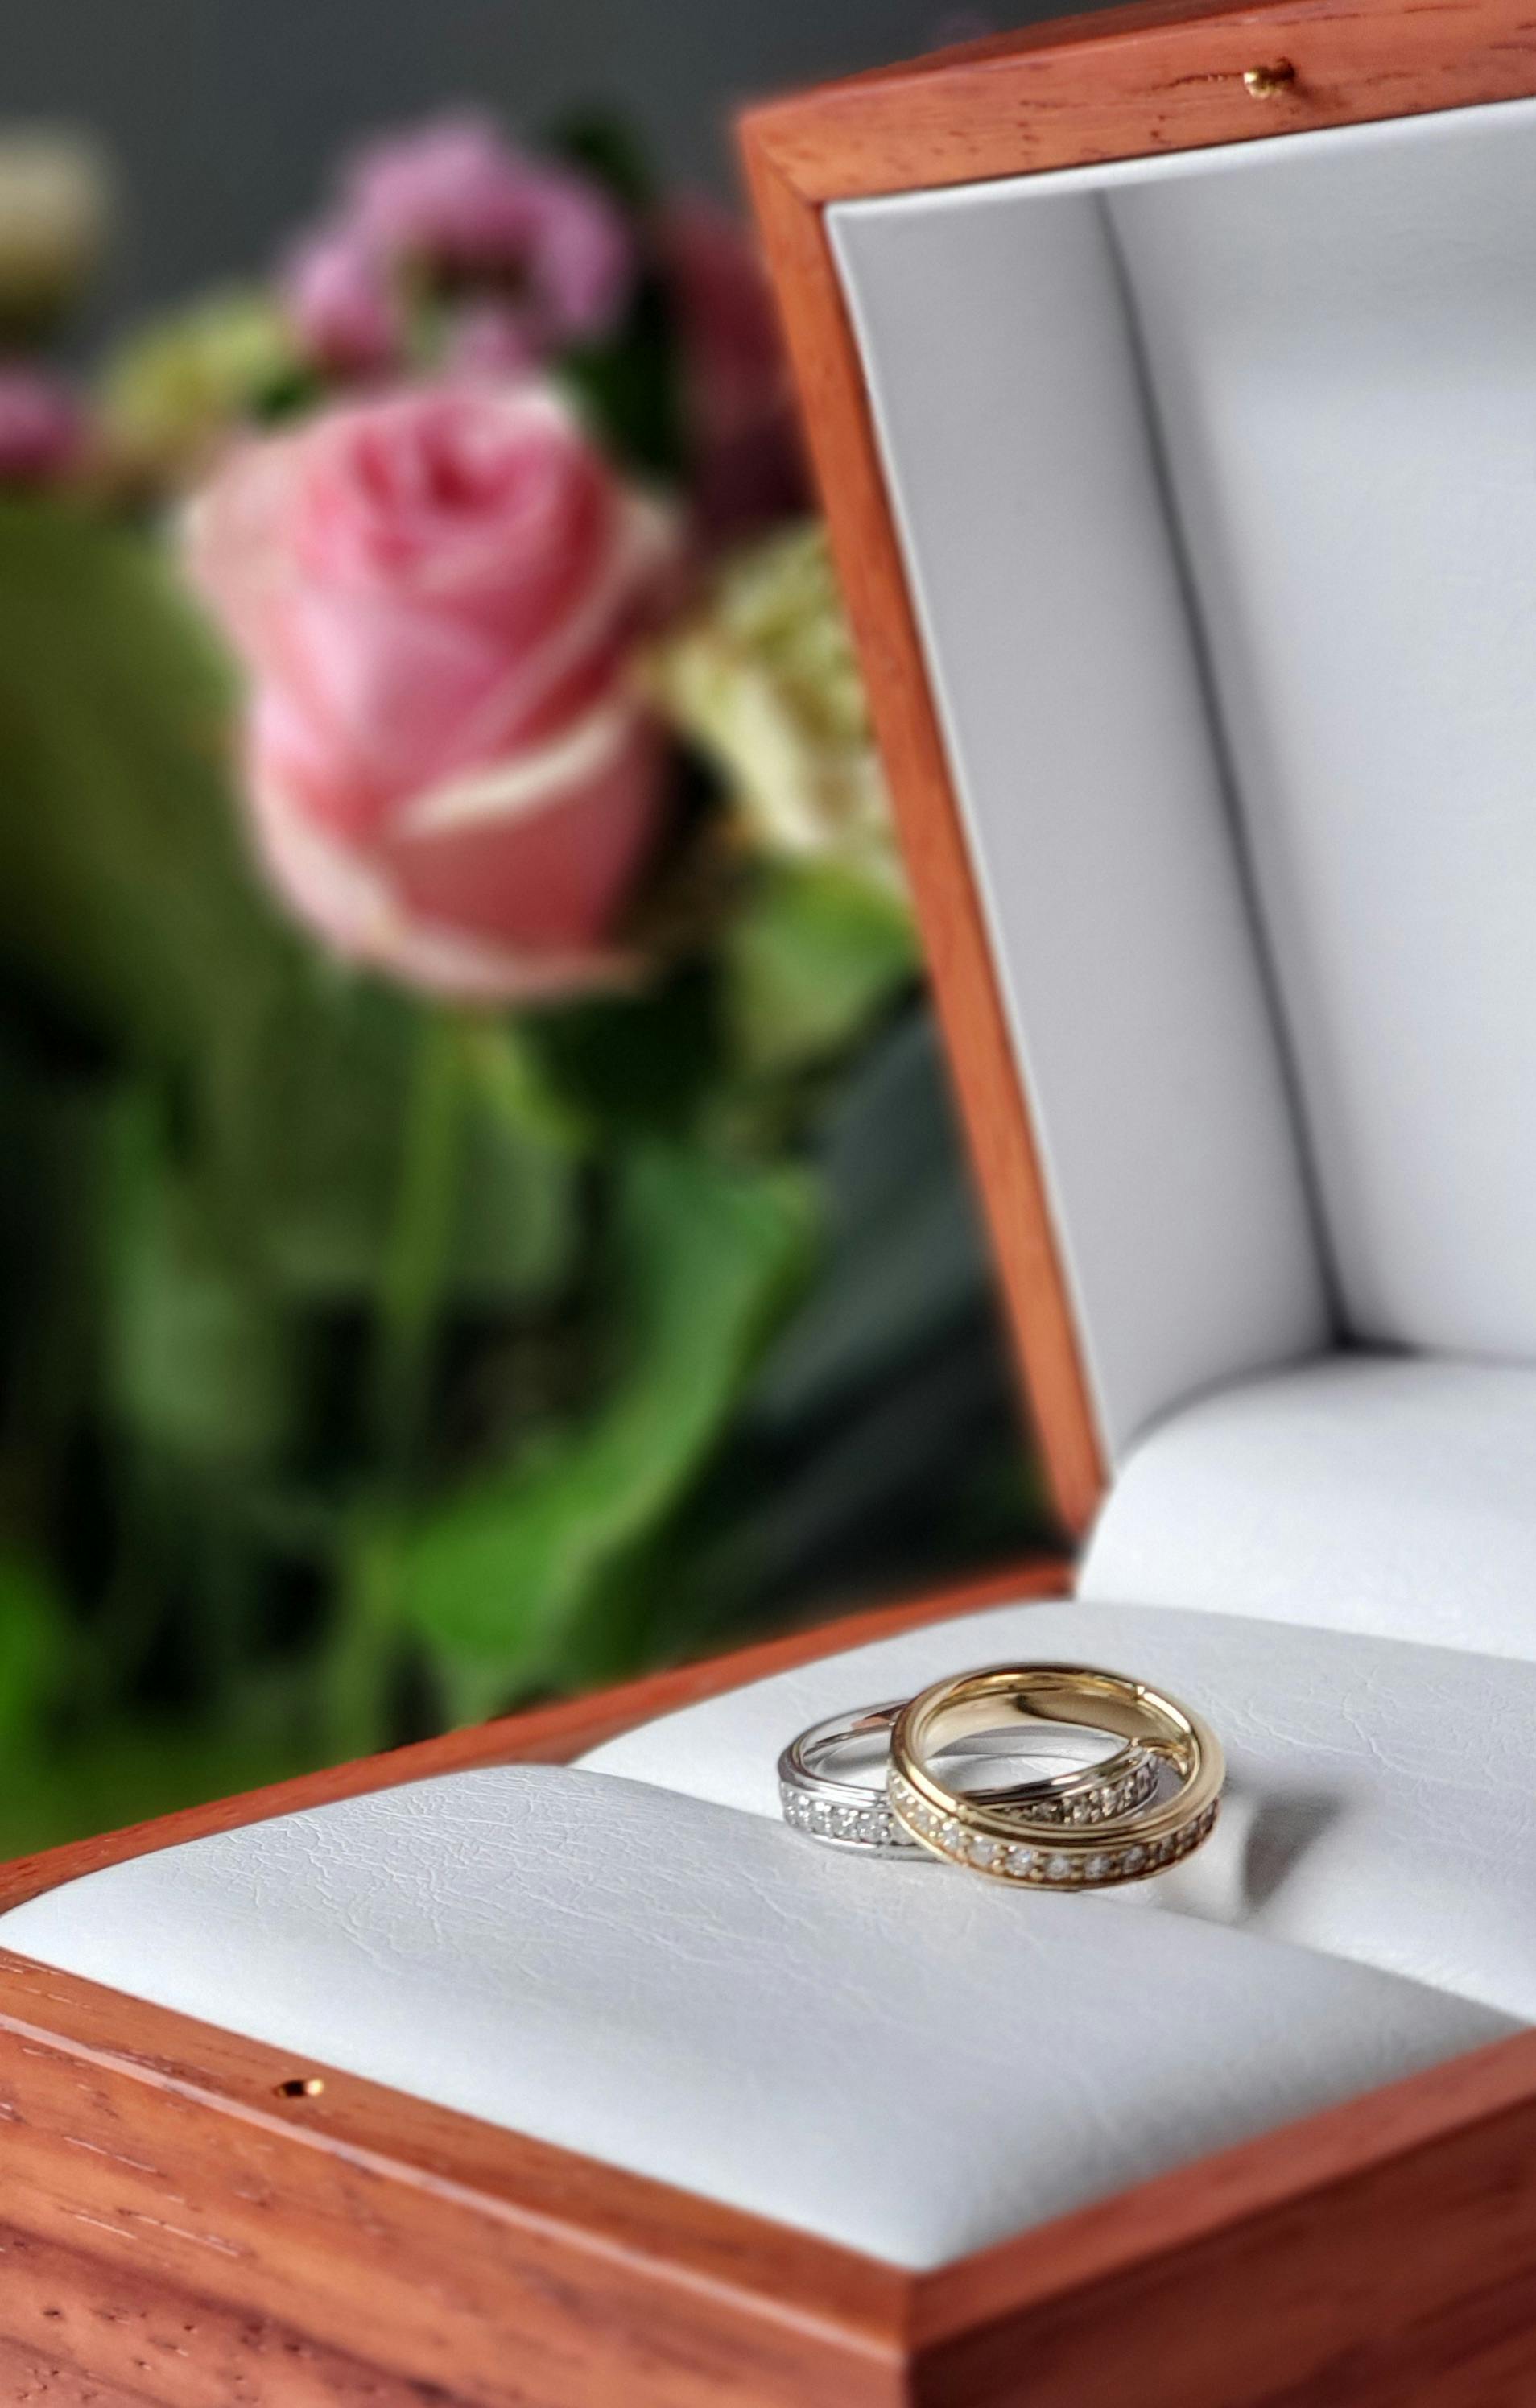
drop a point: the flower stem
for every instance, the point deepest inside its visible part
(411, 1288)
(363, 1652)
(363, 1647)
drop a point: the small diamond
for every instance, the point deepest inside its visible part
(1058, 1869)
(1133, 1859)
(1096, 1868)
(985, 1852)
(1019, 1861)
(952, 1836)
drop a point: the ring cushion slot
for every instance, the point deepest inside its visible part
(1214, 479)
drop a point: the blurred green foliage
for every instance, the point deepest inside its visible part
(366, 1366)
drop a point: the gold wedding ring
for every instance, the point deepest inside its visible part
(1004, 1838)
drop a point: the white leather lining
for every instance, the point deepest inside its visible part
(1018, 454)
(708, 1997)
(1299, 373)
(1379, 1800)
(1381, 1492)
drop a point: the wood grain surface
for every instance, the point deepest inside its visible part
(1129, 82)
(441, 2250)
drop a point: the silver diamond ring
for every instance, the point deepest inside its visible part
(847, 1813)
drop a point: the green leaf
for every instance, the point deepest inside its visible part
(35, 1646)
(327, 1093)
(513, 1082)
(124, 894)
(629, 386)
(131, 1771)
(326, 1101)
(907, 1263)
(200, 1361)
(642, 1065)
(818, 954)
(517, 1220)
(707, 1259)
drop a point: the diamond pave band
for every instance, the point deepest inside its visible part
(850, 1813)
(1003, 1837)
(1051, 1868)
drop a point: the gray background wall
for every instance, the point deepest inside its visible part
(226, 114)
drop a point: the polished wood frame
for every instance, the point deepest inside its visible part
(192, 2220)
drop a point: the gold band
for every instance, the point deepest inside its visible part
(994, 1836)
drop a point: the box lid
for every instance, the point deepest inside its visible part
(1170, 382)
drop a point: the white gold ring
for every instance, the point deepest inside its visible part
(857, 1813)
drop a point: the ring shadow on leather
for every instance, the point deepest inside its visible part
(1256, 1847)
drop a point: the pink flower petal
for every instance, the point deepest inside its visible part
(438, 593)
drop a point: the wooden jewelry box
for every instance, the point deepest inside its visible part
(1172, 381)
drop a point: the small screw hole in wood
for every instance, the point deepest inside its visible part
(303, 2085)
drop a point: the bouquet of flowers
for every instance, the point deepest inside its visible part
(483, 1211)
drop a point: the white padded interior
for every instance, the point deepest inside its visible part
(1021, 463)
(700, 1994)
(1381, 1492)
(1378, 1802)
(1216, 480)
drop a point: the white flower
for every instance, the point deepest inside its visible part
(764, 679)
(56, 199)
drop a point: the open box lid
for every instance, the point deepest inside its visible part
(1172, 387)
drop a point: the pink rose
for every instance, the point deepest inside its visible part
(340, 303)
(490, 339)
(437, 596)
(748, 468)
(41, 432)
